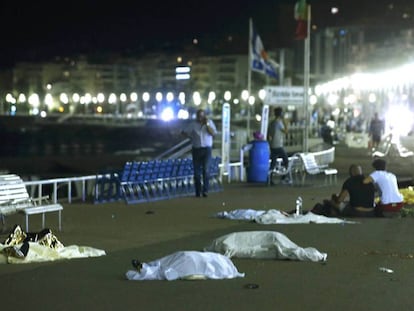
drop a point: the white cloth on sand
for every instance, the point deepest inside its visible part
(264, 245)
(274, 216)
(186, 265)
(41, 253)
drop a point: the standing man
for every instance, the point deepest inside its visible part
(376, 129)
(276, 136)
(201, 132)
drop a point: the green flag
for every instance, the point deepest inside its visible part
(301, 16)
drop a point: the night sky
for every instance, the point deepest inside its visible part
(39, 30)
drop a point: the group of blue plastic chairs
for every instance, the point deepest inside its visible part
(144, 181)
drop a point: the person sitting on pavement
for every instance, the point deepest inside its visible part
(391, 200)
(355, 199)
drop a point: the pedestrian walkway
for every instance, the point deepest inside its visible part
(352, 278)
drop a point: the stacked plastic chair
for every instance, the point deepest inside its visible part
(107, 186)
(215, 176)
(153, 180)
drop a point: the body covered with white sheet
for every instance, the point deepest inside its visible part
(274, 216)
(187, 265)
(41, 253)
(263, 244)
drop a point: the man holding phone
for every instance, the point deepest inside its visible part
(201, 132)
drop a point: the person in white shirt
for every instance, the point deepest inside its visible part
(201, 132)
(276, 133)
(391, 200)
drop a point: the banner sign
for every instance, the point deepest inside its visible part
(284, 95)
(265, 121)
(225, 145)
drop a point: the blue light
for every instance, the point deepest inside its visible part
(343, 32)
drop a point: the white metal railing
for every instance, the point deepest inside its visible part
(79, 182)
(84, 184)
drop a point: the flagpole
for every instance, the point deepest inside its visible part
(249, 76)
(306, 74)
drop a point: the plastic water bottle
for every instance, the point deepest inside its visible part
(383, 269)
(299, 206)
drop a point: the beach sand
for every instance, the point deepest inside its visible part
(350, 279)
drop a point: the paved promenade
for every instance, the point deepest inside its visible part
(350, 279)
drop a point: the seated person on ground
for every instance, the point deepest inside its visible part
(356, 199)
(391, 200)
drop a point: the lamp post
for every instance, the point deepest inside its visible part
(145, 98)
(87, 99)
(211, 99)
(245, 97)
(34, 102)
(158, 98)
(251, 103)
(122, 102)
(197, 98)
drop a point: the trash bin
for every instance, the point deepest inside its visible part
(259, 156)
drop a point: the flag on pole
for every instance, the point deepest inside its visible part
(301, 16)
(259, 60)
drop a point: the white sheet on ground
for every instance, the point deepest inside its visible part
(274, 216)
(187, 265)
(241, 214)
(40, 253)
(264, 245)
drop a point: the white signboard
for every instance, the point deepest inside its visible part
(284, 95)
(225, 145)
(265, 121)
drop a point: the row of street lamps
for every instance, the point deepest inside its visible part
(34, 105)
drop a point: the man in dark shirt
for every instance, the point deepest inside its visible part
(354, 200)
(361, 198)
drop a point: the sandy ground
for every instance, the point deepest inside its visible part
(349, 280)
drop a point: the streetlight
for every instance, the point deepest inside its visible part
(100, 97)
(133, 96)
(145, 97)
(262, 94)
(48, 102)
(245, 96)
(227, 96)
(170, 97)
(211, 97)
(251, 100)
(197, 98)
(86, 99)
(112, 100)
(122, 98)
(181, 98)
(158, 97)
(34, 101)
